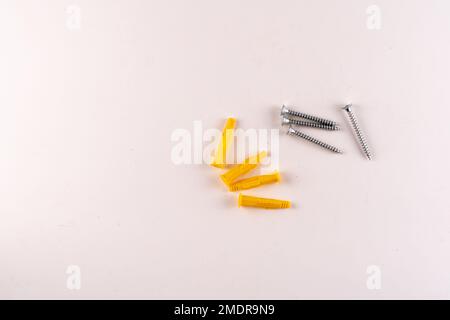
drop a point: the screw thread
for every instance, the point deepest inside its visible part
(359, 133)
(313, 140)
(313, 125)
(311, 117)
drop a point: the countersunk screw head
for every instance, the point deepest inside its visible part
(284, 110)
(291, 130)
(285, 121)
(348, 107)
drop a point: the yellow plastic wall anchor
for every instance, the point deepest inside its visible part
(249, 201)
(249, 164)
(224, 144)
(254, 182)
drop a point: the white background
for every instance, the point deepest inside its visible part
(86, 176)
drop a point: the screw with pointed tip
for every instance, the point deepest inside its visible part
(287, 121)
(358, 132)
(286, 111)
(299, 134)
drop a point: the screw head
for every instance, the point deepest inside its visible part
(348, 107)
(285, 121)
(290, 130)
(284, 110)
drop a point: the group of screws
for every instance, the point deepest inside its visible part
(288, 118)
(310, 121)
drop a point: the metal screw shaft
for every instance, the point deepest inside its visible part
(287, 121)
(286, 111)
(297, 133)
(356, 128)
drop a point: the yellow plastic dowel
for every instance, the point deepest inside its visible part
(249, 164)
(249, 201)
(255, 181)
(224, 144)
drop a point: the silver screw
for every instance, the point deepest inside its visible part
(286, 111)
(361, 139)
(297, 133)
(287, 121)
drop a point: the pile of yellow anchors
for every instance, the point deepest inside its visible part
(230, 177)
